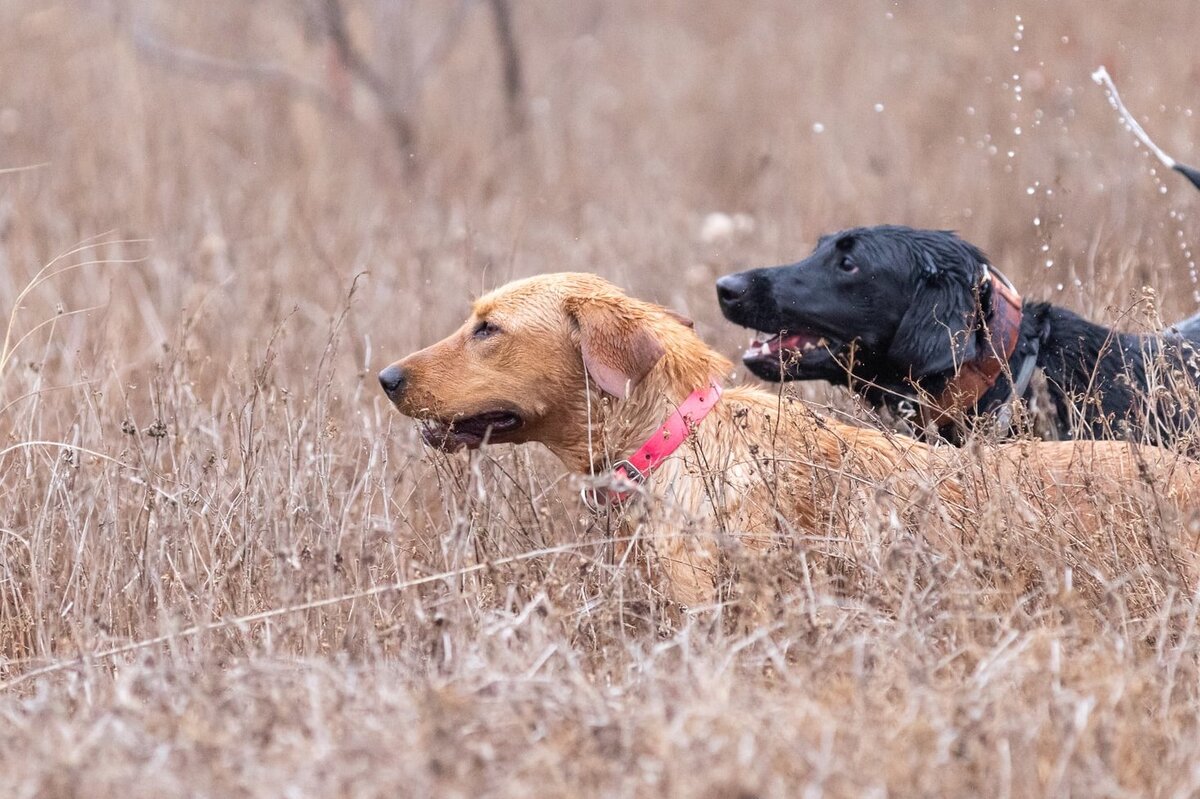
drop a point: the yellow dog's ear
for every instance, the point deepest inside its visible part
(678, 317)
(617, 341)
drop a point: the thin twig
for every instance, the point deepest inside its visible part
(444, 43)
(510, 54)
(211, 68)
(385, 95)
(1101, 77)
(273, 613)
(28, 168)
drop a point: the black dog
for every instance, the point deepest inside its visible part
(917, 319)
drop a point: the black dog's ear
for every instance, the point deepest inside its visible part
(937, 333)
(928, 265)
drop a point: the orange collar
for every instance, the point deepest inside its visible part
(978, 375)
(628, 474)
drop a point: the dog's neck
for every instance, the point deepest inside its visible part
(618, 427)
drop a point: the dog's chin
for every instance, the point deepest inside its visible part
(794, 356)
(471, 432)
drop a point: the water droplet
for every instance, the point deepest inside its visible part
(1049, 262)
(878, 108)
(818, 127)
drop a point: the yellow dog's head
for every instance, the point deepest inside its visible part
(520, 368)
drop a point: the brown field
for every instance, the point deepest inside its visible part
(195, 454)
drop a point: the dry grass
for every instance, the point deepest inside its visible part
(214, 445)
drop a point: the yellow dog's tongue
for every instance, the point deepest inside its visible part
(438, 436)
(470, 432)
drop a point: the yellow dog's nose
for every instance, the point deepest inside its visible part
(393, 379)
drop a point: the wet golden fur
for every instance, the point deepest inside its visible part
(592, 373)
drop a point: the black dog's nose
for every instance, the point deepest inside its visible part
(392, 379)
(732, 288)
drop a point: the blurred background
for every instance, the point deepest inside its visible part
(269, 151)
(219, 219)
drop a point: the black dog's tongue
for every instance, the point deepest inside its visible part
(764, 346)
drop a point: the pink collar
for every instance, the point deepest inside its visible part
(628, 474)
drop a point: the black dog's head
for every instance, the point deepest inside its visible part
(900, 301)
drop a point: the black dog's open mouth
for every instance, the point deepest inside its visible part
(785, 349)
(470, 431)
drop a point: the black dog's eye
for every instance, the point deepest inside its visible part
(847, 265)
(485, 329)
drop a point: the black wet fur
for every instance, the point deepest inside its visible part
(898, 306)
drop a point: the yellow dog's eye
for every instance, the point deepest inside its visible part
(485, 329)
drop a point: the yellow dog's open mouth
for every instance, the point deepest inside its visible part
(470, 431)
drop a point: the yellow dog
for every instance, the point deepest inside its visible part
(600, 378)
